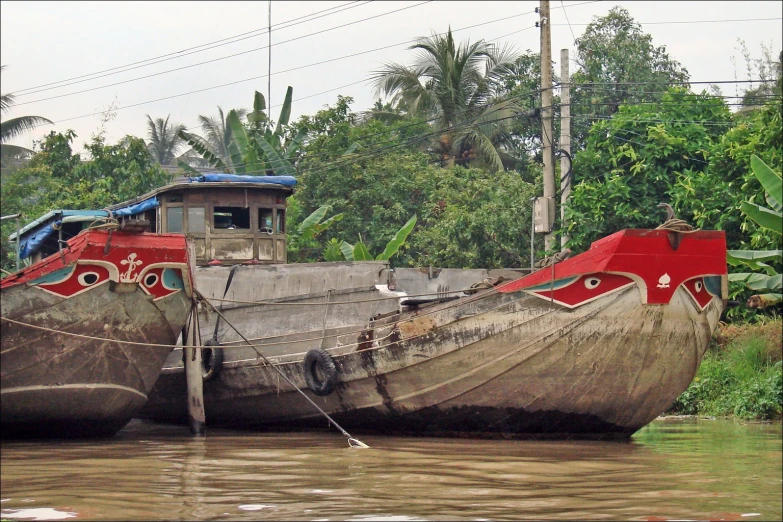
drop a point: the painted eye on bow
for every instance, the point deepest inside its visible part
(88, 278)
(592, 282)
(698, 286)
(151, 280)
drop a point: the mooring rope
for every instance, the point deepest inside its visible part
(333, 303)
(156, 345)
(677, 225)
(352, 441)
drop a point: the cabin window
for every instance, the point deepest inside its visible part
(280, 221)
(229, 218)
(196, 219)
(265, 220)
(174, 219)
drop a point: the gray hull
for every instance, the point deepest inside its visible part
(58, 385)
(492, 364)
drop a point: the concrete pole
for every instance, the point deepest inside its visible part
(269, 72)
(195, 381)
(193, 375)
(565, 140)
(546, 118)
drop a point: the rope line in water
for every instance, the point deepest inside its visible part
(352, 441)
(331, 303)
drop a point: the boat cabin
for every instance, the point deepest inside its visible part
(231, 218)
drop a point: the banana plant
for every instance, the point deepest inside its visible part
(359, 252)
(765, 279)
(254, 148)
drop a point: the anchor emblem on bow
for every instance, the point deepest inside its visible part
(128, 276)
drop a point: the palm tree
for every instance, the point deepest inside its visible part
(9, 129)
(255, 147)
(218, 134)
(446, 85)
(164, 139)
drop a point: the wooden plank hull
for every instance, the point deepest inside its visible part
(64, 369)
(588, 356)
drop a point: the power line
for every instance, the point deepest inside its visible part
(180, 54)
(690, 122)
(457, 127)
(567, 20)
(219, 59)
(701, 21)
(280, 72)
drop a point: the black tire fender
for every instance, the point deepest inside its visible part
(211, 360)
(320, 371)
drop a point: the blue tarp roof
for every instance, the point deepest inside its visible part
(141, 206)
(215, 177)
(33, 235)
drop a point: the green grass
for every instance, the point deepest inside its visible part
(741, 375)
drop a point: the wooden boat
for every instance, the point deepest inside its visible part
(594, 346)
(85, 331)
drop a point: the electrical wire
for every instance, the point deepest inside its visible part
(700, 21)
(278, 72)
(460, 126)
(222, 58)
(179, 54)
(567, 20)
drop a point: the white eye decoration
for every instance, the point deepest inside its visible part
(698, 286)
(88, 278)
(592, 282)
(150, 280)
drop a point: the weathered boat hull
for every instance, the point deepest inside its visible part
(68, 363)
(517, 360)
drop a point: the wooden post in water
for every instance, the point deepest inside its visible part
(193, 376)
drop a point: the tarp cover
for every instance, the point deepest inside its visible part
(141, 206)
(34, 234)
(288, 181)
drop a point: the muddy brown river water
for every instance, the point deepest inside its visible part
(672, 469)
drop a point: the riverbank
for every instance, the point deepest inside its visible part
(741, 375)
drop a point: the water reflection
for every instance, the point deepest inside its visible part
(670, 470)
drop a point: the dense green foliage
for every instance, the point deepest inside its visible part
(765, 278)
(56, 178)
(743, 378)
(618, 64)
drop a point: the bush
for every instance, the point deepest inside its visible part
(741, 375)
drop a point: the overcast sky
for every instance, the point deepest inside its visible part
(46, 42)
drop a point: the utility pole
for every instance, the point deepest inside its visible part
(546, 120)
(269, 72)
(565, 140)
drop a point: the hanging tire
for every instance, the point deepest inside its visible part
(211, 360)
(320, 371)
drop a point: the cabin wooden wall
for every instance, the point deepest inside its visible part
(204, 215)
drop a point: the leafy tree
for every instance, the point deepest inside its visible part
(57, 178)
(13, 127)
(164, 139)
(521, 82)
(646, 154)
(446, 84)
(728, 180)
(620, 59)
